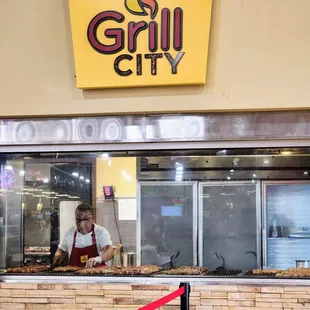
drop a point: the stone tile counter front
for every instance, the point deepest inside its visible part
(128, 296)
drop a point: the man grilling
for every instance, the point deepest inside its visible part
(87, 244)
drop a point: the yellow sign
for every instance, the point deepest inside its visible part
(131, 43)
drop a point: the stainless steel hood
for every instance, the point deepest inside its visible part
(272, 165)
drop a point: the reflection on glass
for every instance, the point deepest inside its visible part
(229, 225)
(287, 223)
(30, 197)
(167, 224)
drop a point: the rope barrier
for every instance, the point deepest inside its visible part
(182, 291)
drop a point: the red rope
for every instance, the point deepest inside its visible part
(162, 301)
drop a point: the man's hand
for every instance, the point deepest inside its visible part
(92, 262)
(57, 260)
(59, 257)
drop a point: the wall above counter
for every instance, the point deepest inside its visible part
(249, 67)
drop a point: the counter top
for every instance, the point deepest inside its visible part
(155, 280)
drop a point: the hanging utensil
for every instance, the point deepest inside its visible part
(222, 259)
(251, 252)
(173, 258)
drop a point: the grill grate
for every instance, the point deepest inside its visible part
(250, 274)
(211, 273)
(223, 273)
(75, 274)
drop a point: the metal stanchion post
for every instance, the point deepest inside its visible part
(185, 296)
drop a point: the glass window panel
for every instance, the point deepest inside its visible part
(229, 225)
(167, 224)
(287, 225)
(40, 191)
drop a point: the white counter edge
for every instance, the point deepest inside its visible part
(153, 280)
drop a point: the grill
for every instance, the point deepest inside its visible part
(44, 274)
(223, 273)
(250, 274)
(211, 273)
(238, 274)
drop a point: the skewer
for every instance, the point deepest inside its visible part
(117, 249)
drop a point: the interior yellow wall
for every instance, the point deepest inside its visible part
(109, 172)
(259, 59)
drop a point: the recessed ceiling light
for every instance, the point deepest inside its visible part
(286, 153)
(254, 175)
(306, 173)
(232, 170)
(236, 161)
(228, 178)
(266, 161)
(105, 156)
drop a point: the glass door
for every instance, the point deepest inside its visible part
(229, 225)
(286, 223)
(167, 223)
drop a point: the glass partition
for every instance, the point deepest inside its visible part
(229, 216)
(168, 223)
(148, 202)
(287, 224)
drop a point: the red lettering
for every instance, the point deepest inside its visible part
(133, 31)
(113, 33)
(165, 29)
(178, 29)
(153, 36)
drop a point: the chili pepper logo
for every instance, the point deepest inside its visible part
(138, 7)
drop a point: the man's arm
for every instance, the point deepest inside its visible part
(59, 257)
(108, 253)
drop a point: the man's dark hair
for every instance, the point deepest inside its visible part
(84, 207)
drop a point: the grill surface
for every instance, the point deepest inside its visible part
(211, 273)
(250, 274)
(75, 274)
(223, 273)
